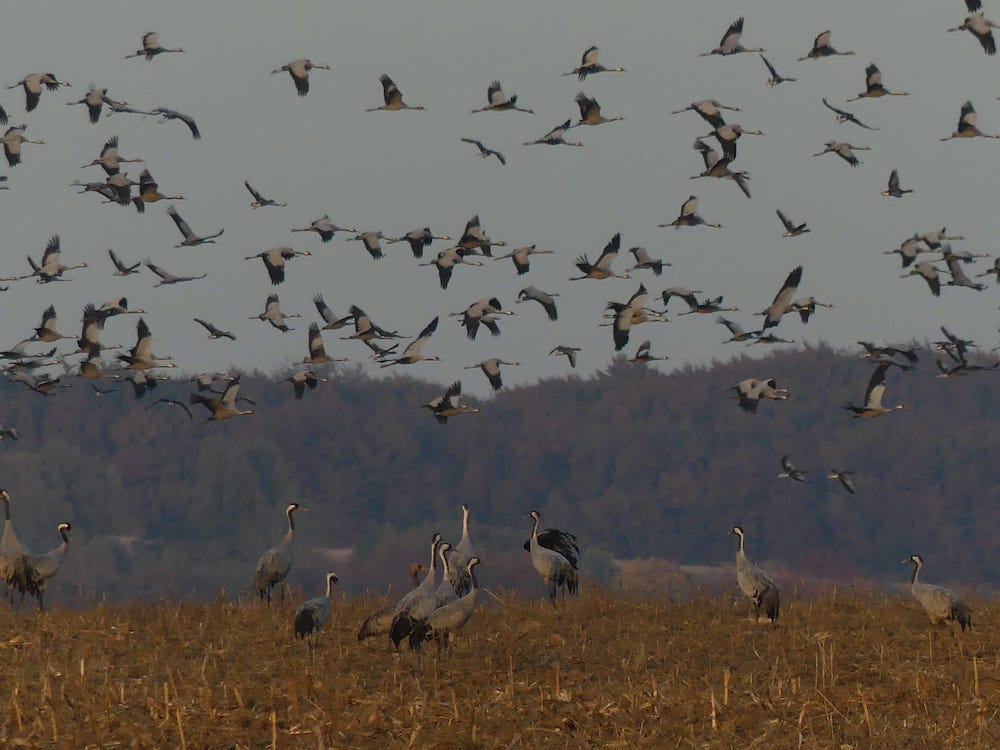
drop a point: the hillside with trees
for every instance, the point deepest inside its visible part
(636, 462)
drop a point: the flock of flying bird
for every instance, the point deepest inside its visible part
(439, 609)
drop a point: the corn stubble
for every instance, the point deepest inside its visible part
(858, 670)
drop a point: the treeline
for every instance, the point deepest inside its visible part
(636, 462)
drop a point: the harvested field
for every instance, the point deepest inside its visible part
(851, 670)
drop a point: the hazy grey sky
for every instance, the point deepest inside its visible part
(395, 171)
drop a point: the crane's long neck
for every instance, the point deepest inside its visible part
(915, 578)
(329, 587)
(432, 568)
(472, 575)
(6, 509)
(290, 534)
(443, 553)
(534, 531)
(740, 554)
(61, 549)
(465, 524)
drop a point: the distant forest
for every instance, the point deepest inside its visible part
(637, 463)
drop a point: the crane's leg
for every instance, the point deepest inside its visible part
(552, 584)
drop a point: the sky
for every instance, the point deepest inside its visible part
(395, 171)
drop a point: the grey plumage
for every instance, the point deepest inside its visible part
(12, 553)
(418, 603)
(554, 568)
(457, 571)
(941, 604)
(758, 586)
(40, 569)
(314, 613)
(452, 617)
(274, 564)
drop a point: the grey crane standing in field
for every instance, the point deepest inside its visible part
(520, 256)
(167, 278)
(259, 201)
(893, 190)
(450, 618)
(730, 43)
(313, 614)
(844, 477)
(791, 228)
(40, 569)
(12, 139)
(449, 404)
(95, 99)
(214, 332)
(418, 603)
(392, 97)
(589, 65)
(324, 228)
(445, 592)
(500, 102)
(569, 352)
(642, 260)
(317, 352)
(411, 354)
(151, 47)
(110, 160)
(273, 566)
(873, 86)
(275, 259)
(844, 116)
(190, 238)
(491, 369)
(821, 48)
(757, 585)
(601, 268)
(13, 554)
(788, 470)
(33, 86)
(590, 111)
(555, 137)
(929, 273)
(981, 28)
(555, 569)
(458, 575)
(485, 152)
(221, 408)
(331, 321)
(299, 71)
(379, 623)
(941, 604)
(844, 150)
(304, 379)
(750, 391)
(776, 78)
(967, 127)
(688, 216)
(418, 239)
(718, 166)
(273, 315)
(872, 406)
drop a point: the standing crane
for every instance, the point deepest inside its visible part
(941, 604)
(273, 566)
(313, 614)
(416, 604)
(299, 71)
(13, 554)
(378, 623)
(555, 569)
(459, 577)
(450, 618)
(40, 569)
(757, 585)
